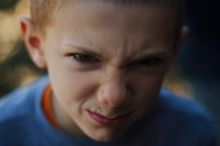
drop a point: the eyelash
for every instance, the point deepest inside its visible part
(84, 58)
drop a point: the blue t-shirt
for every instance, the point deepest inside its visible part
(173, 121)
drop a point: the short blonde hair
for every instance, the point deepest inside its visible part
(43, 11)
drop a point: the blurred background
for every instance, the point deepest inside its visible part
(16, 69)
(195, 75)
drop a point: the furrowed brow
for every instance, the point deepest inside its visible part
(82, 50)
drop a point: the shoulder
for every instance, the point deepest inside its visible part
(181, 106)
(17, 111)
(184, 119)
(16, 104)
(174, 121)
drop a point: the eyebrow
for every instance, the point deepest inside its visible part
(83, 50)
(142, 57)
(148, 55)
(154, 54)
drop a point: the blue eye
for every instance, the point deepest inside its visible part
(83, 58)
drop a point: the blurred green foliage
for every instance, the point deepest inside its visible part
(7, 4)
(17, 66)
(12, 71)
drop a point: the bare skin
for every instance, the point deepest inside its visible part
(106, 64)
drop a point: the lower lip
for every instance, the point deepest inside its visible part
(105, 121)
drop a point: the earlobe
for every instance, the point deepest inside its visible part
(33, 42)
(38, 59)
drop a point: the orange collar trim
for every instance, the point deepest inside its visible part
(48, 107)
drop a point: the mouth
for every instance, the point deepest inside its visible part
(108, 121)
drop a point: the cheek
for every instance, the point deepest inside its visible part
(73, 88)
(146, 90)
(147, 84)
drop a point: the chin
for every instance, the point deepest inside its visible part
(104, 137)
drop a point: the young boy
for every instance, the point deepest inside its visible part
(106, 61)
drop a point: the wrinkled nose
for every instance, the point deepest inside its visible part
(114, 94)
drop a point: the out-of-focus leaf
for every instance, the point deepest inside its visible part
(7, 4)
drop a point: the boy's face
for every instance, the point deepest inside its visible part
(106, 64)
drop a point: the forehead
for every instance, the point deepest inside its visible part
(101, 9)
(106, 25)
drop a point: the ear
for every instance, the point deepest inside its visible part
(182, 36)
(179, 40)
(33, 41)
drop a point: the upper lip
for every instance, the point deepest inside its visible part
(112, 117)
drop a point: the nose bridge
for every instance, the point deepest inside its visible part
(113, 92)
